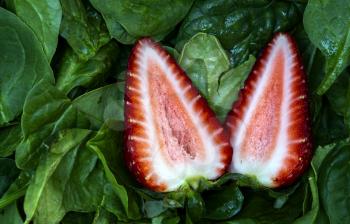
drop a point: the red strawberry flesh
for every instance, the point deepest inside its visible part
(269, 123)
(171, 133)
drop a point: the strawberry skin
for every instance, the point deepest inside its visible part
(269, 123)
(171, 133)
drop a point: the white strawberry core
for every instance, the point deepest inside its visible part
(180, 146)
(266, 118)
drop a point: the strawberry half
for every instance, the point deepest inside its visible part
(269, 123)
(171, 133)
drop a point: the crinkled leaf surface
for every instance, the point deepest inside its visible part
(243, 27)
(129, 20)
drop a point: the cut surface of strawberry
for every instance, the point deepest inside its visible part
(171, 133)
(269, 123)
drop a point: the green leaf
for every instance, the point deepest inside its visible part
(175, 199)
(43, 17)
(208, 66)
(320, 154)
(242, 221)
(107, 144)
(78, 218)
(16, 190)
(338, 92)
(334, 184)
(230, 83)
(68, 178)
(258, 208)
(46, 112)
(195, 206)
(328, 112)
(83, 28)
(74, 72)
(10, 214)
(347, 113)
(166, 218)
(173, 52)
(153, 208)
(312, 215)
(129, 20)
(205, 61)
(10, 137)
(103, 217)
(103, 105)
(22, 65)
(314, 64)
(8, 173)
(117, 200)
(327, 24)
(243, 27)
(223, 203)
(328, 127)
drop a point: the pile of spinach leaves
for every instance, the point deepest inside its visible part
(62, 69)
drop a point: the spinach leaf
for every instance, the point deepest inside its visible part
(8, 173)
(205, 61)
(83, 28)
(74, 72)
(10, 214)
(319, 156)
(328, 126)
(153, 208)
(334, 184)
(194, 206)
(328, 27)
(167, 218)
(16, 190)
(173, 52)
(314, 67)
(230, 83)
(21, 67)
(78, 218)
(313, 59)
(119, 200)
(103, 105)
(243, 27)
(223, 203)
(347, 113)
(258, 208)
(46, 112)
(43, 17)
(129, 20)
(338, 92)
(103, 217)
(68, 178)
(10, 137)
(208, 66)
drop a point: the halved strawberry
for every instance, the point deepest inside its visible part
(269, 123)
(171, 133)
